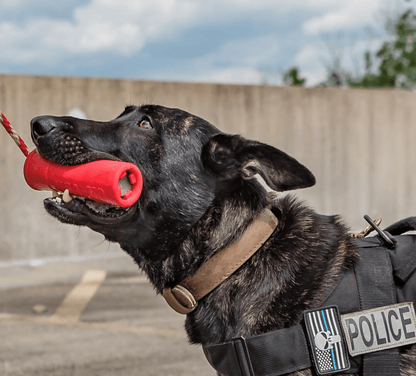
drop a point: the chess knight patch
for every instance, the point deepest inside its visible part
(326, 340)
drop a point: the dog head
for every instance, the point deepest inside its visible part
(189, 168)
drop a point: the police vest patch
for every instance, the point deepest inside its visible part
(326, 340)
(380, 328)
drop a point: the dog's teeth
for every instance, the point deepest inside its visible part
(66, 196)
(58, 200)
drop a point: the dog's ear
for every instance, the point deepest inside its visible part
(229, 156)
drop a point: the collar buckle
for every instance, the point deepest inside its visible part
(180, 299)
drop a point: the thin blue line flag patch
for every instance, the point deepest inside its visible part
(326, 340)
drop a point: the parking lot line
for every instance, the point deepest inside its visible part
(71, 307)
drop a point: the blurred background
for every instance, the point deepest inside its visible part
(329, 82)
(226, 41)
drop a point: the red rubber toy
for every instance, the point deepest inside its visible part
(109, 182)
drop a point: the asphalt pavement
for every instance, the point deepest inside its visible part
(97, 317)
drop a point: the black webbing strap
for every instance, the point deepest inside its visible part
(400, 227)
(278, 353)
(407, 266)
(403, 258)
(376, 289)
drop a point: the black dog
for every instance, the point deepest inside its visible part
(202, 189)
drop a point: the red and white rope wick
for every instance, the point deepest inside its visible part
(17, 139)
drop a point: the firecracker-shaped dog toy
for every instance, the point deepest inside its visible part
(110, 182)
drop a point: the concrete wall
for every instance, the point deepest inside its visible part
(359, 144)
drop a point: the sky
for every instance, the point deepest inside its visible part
(221, 41)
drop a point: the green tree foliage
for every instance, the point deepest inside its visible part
(397, 58)
(291, 77)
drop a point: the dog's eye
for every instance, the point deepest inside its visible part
(145, 124)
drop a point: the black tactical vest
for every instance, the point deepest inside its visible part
(360, 327)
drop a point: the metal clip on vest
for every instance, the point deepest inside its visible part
(389, 241)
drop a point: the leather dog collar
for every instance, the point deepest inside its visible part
(183, 298)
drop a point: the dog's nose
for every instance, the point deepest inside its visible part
(41, 125)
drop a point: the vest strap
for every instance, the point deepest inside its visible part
(281, 352)
(376, 288)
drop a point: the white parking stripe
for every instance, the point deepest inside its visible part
(70, 309)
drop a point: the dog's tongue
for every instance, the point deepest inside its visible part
(110, 182)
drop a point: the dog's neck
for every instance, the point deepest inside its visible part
(172, 258)
(289, 274)
(184, 297)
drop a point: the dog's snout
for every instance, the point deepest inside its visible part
(41, 125)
